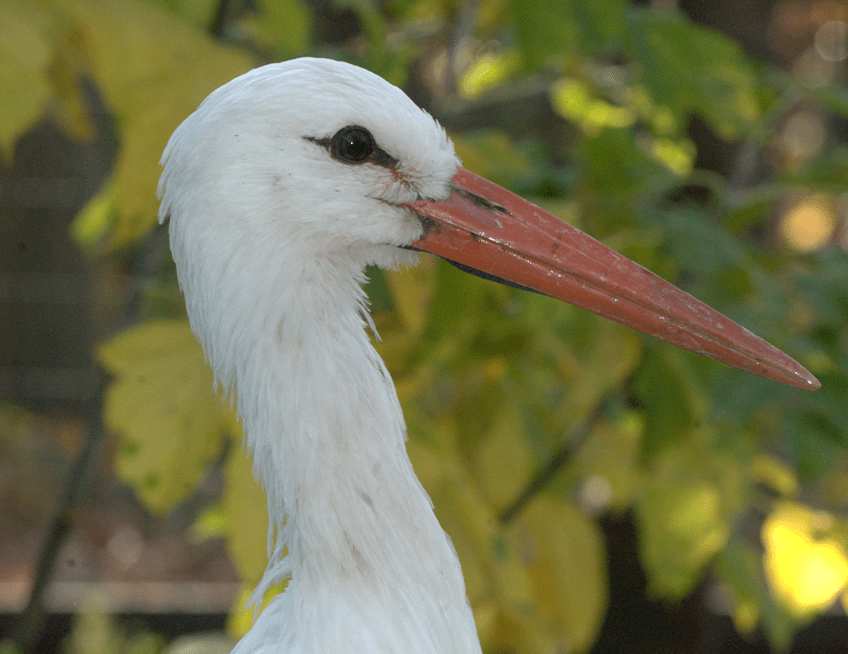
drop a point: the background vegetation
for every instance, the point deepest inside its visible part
(552, 442)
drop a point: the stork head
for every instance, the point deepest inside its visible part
(327, 164)
(315, 153)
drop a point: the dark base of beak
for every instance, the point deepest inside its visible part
(481, 274)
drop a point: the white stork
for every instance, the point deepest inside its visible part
(281, 188)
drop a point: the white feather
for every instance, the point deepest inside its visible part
(271, 237)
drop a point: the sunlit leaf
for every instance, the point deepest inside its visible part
(243, 615)
(805, 566)
(96, 218)
(211, 522)
(174, 67)
(488, 71)
(572, 99)
(161, 404)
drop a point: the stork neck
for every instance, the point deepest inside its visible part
(332, 454)
(324, 423)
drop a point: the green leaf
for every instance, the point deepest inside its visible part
(546, 30)
(683, 518)
(283, 25)
(495, 156)
(504, 462)
(550, 31)
(740, 568)
(616, 177)
(670, 398)
(690, 68)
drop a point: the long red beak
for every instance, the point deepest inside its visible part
(484, 227)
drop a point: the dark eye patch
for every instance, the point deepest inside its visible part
(355, 145)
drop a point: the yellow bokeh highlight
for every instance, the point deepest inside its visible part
(488, 71)
(805, 567)
(809, 225)
(574, 100)
(677, 155)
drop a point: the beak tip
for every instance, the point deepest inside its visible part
(798, 376)
(810, 382)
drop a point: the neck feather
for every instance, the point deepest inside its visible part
(372, 570)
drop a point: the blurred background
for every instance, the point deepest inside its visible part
(605, 493)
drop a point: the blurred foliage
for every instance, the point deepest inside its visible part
(95, 631)
(728, 476)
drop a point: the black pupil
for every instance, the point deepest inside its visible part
(354, 144)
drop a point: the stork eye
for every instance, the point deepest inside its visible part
(352, 144)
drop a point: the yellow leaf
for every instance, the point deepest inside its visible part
(247, 518)
(247, 538)
(778, 476)
(564, 553)
(537, 586)
(608, 463)
(153, 70)
(462, 515)
(505, 461)
(211, 522)
(162, 406)
(241, 616)
(804, 565)
(495, 578)
(25, 55)
(573, 99)
(487, 71)
(412, 291)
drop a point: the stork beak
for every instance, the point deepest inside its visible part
(492, 232)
